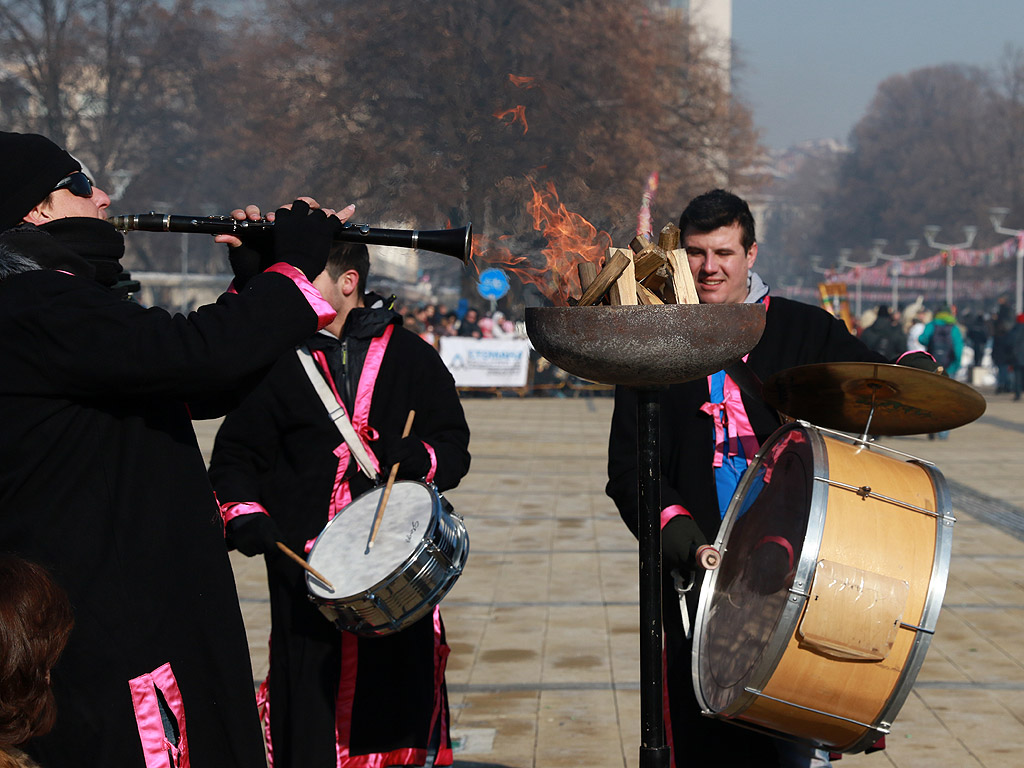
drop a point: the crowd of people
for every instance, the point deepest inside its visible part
(434, 321)
(962, 342)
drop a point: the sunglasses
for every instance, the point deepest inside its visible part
(77, 184)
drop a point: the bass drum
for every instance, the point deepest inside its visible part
(834, 561)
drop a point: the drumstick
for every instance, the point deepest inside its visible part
(387, 488)
(304, 564)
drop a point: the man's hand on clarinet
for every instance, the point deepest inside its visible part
(255, 253)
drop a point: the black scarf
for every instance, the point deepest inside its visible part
(95, 240)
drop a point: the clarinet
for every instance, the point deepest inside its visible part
(450, 242)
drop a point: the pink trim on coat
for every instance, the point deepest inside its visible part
(233, 509)
(155, 746)
(671, 511)
(325, 313)
(731, 412)
(345, 702)
(433, 463)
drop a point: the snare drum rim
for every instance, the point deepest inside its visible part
(793, 609)
(436, 509)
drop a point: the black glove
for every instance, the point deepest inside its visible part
(253, 256)
(253, 534)
(921, 360)
(409, 452)
(303, 237)
(680, 539)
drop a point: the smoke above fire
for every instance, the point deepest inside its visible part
(571, 240)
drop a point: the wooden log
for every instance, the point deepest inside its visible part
(682, 278)
(668, 238)
(623, 291)
(614, 266)
(587, 271)
(647, 296)
(649, 257)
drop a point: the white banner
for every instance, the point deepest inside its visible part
(486, 362)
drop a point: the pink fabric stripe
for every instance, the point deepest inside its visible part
(346, 696)
(365, 434)
(324, 311)
(674, 510)
(731, 416)
(433, 462)
(155, 746)
(234, 509)
(368, 378)
(441, 651)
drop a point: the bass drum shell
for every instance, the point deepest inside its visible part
(813, 504)
(417, 556)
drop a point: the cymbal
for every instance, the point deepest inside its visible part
(907, 401)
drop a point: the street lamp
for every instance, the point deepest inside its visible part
(856, 266)
(996, 216)
(929, 234)
(876, 251)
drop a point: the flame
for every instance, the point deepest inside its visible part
(521, 81)
(571, 240)
(518, 113)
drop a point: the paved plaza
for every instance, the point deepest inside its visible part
(543, 624)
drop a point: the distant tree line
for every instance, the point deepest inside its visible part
(939, 145)
(423, 112)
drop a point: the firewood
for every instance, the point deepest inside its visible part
(588, 273)
(682, 278)
(614, 266)
(668, 238)
(623, 292)
(647, 296)
(648, 258)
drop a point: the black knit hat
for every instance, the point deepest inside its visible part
(33, 165)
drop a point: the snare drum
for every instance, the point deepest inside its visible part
(834, 562)
(419, 552)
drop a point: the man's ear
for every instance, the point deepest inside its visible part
(37, 215)
(349, 282)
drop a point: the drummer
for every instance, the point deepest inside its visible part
(282, 471)
(710, 431)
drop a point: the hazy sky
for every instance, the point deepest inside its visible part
(811, 67)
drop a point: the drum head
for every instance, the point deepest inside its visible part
(340, 551)
(743, 602)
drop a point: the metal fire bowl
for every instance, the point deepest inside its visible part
(645, 346)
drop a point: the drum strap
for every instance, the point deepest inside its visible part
(336, 411)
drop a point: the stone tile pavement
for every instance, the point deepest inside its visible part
(543, 624)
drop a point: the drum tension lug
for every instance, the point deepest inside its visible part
(864, 491)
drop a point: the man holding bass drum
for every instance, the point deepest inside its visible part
(282, 471)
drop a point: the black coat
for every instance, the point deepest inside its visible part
(277, 449)
(102, 481)
(795, 334)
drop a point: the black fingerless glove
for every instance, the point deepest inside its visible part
(680, 539)
(303, 237)
(254, 255)
(409, 453)
(253, 534)
(921, 360)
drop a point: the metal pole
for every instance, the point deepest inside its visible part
(654, 752)
(1020, 275)
(949, 281)
(895, 287)
(858, 296)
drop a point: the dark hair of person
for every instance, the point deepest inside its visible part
(719, 208)
(35, 622)
(346, 256)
